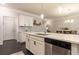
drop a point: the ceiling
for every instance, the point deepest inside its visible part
(50, 10)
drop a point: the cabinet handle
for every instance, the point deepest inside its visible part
(34, 42)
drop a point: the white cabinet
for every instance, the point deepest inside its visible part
(28, 21)
(37, 47)
(27, 42)
(22, 37)
(21, 20)
(25, 20)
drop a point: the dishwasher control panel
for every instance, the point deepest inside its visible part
(62, 44)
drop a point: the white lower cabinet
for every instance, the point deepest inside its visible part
(27, 42)
(23, 37)
(37, 47)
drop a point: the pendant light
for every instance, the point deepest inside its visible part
(42, 15)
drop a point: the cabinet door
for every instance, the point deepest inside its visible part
(40, 48)
(27, 44)
(28, 21)
(31, 21)
(25, 20)
(21, 20)
(23, 37)
(32, 46)
(27, 41)
(37, 47)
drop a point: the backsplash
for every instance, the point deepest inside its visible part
(32, 29)
(64, 22)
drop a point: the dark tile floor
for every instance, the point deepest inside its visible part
(12, 46)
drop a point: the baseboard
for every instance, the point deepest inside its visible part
(22, 42)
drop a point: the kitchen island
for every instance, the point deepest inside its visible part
(71, 40)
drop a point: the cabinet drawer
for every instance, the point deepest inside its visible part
(37, 38)
(37, 47)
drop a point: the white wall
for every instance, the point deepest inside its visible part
(5, 11)
(58, 23)
(50, 24)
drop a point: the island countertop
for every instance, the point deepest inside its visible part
(71, 38)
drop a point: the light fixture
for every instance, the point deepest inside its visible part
(42, 15)
(63, 10)
(72, 20)
(69, 21)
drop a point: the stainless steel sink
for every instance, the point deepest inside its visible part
(42, 33)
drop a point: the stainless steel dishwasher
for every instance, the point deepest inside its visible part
(55, 47)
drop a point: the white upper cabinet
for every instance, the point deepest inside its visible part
(25, 20)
